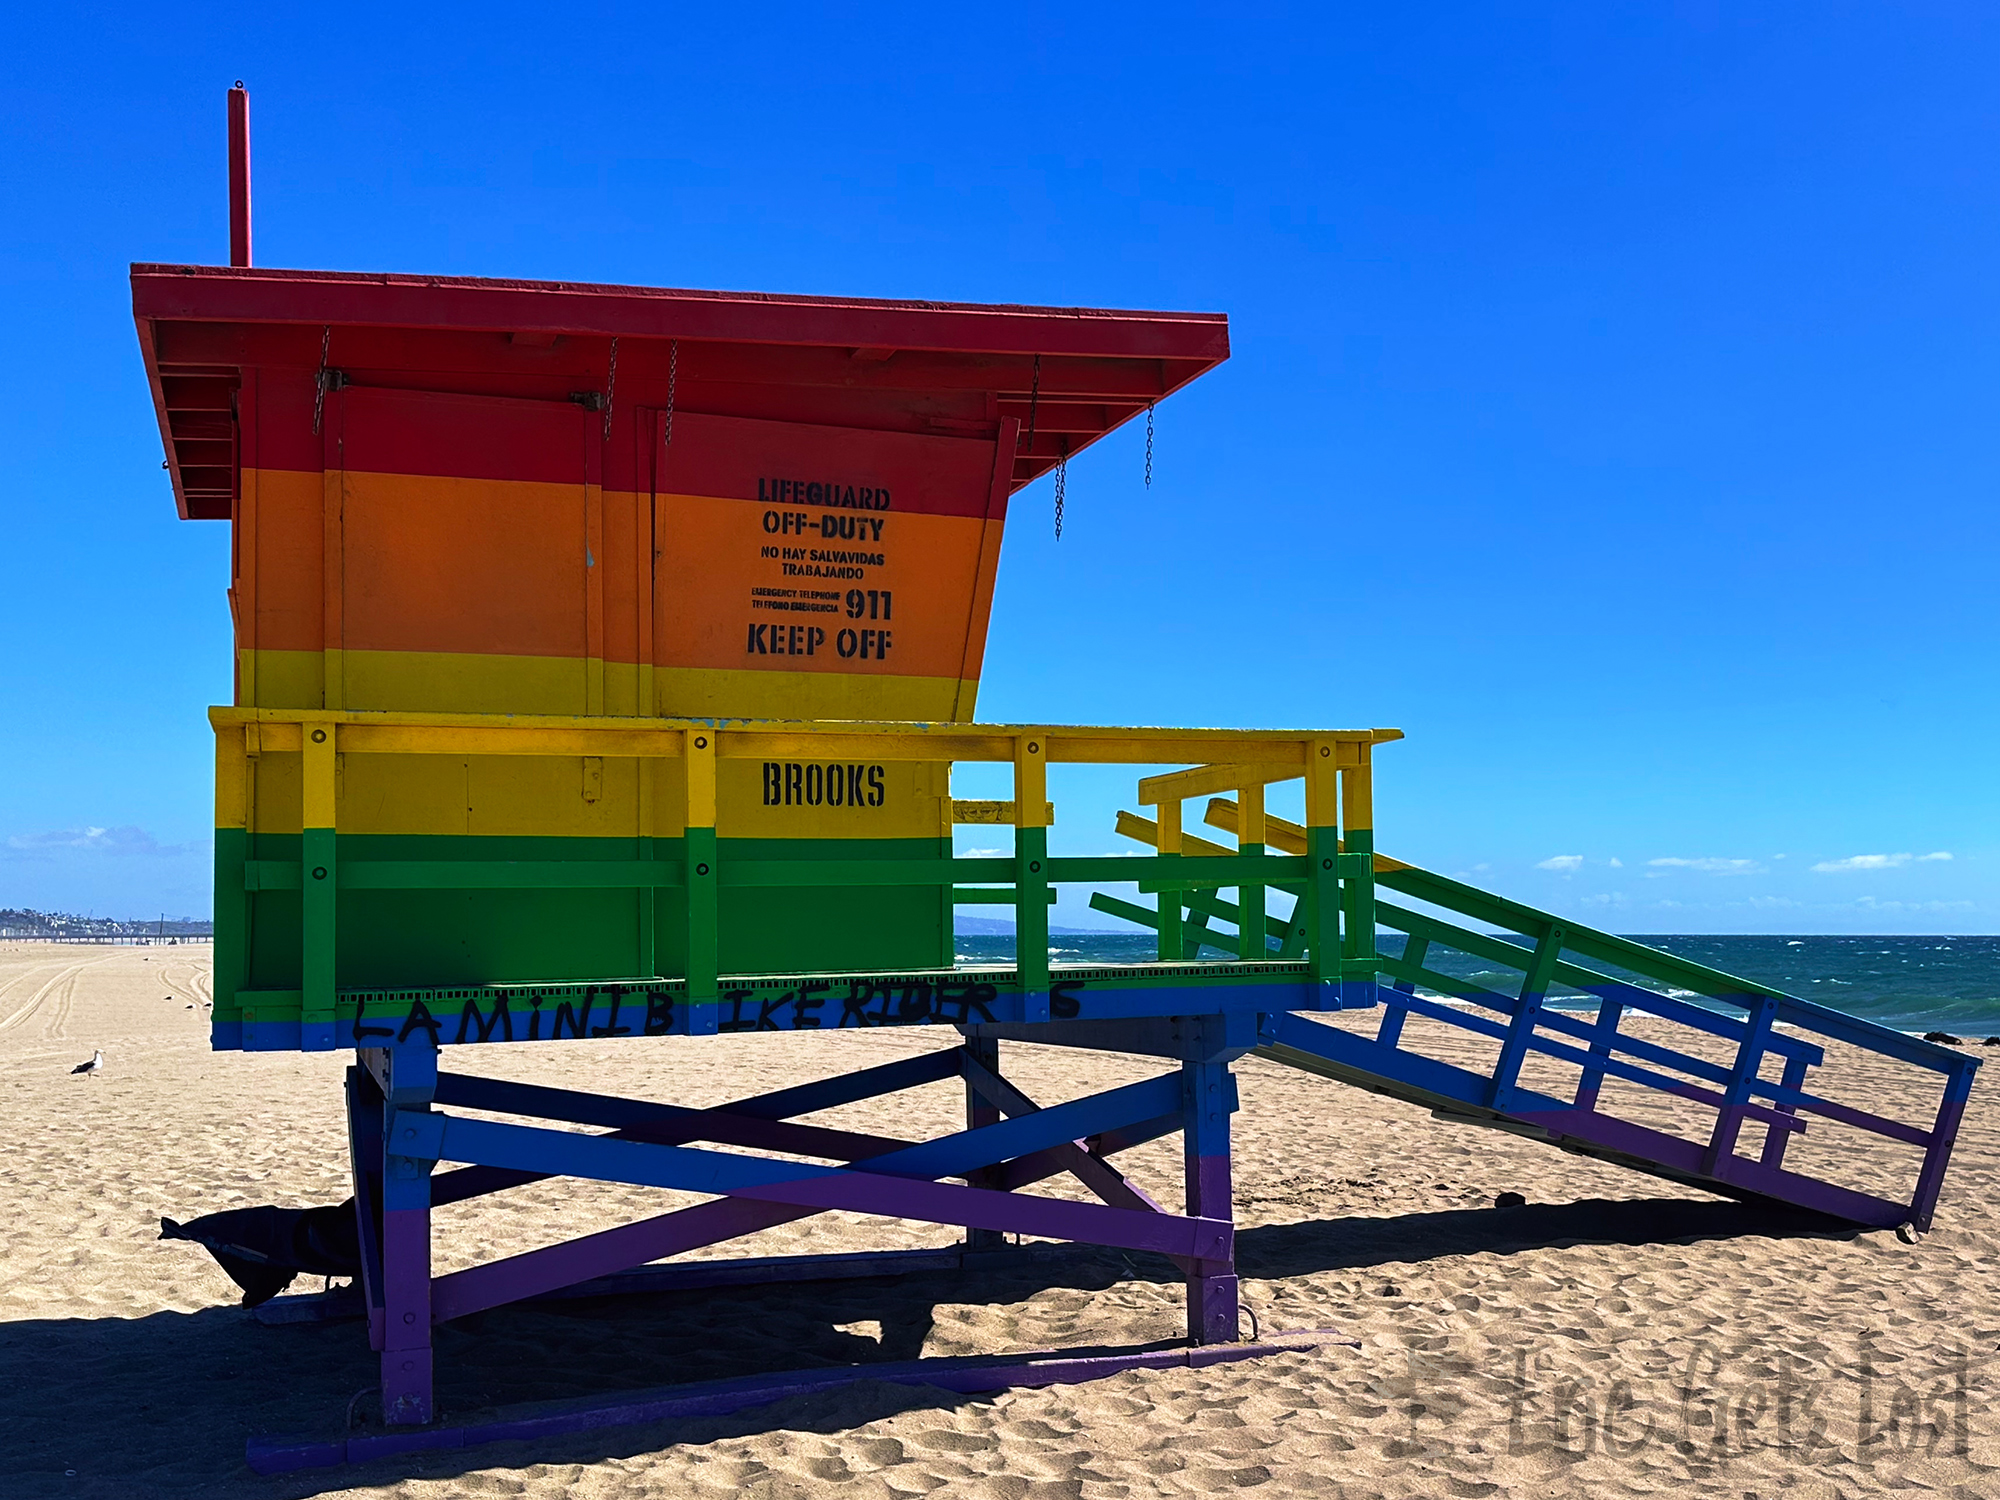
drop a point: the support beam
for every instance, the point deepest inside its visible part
(1212, 1292)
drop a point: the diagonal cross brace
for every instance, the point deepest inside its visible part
(536, 1271)
(423, 1135)
(637, 1120)
(1074, 1156)
(689, 1170)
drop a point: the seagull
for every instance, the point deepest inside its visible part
(95, 1065)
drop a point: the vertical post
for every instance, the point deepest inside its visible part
(1390, 1034)
(985, 1051)
(1527, 1014)
(239, 175)
(649, 895)
(1322, 889)
(1206, 1096)
(1610, 1010)
(333, 562)
(319, 880)
(1749, 1058)
(1031, 873)
(365, 1128)
(234, 841)
(406, 1244)
(1250, 833)
(703, 995)
(593, 572)
(1168, 844)
(1776, 1137)
(1944, 1134)
(1357, 878)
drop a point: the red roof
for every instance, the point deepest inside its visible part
(1070, 374)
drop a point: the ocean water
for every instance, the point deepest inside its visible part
(1912, 983)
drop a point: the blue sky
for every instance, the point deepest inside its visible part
(1612, 405)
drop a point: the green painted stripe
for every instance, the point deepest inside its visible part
(457, 928)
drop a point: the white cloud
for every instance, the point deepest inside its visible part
(1617, 863)
(1855, 862)
(126, 840)
(1707, 866)
(1869, 903)
(1567, 864)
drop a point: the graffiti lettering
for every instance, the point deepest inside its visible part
(470, 1017)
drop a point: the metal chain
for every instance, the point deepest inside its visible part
(1062, 479)
(1034, 399)
(1149, 445)
(673, 375)
(319, 380)
(611, 388)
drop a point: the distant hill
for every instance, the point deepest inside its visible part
(24, 923)
(998, 927)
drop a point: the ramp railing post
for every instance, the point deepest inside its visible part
(1205, 1096)
(1776, 1138)
(1610, 1010)
(1416, 947)
(1031, 873)
(1749, 1058)
(1527, 1012)
(1944, 1134)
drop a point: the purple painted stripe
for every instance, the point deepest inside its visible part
(279, 1455)
(1042, 1165)
(1016, 1213)
(536, 1272)
(544, 1270)
(714, 1126)
(540, 1271)
(1923, 1203)
(1686, 1157)
(1895, 1130)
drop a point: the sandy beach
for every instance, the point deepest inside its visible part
(1617, 1335)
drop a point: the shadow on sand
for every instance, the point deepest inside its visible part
(163, 1405)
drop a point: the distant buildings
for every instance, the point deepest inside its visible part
(67, 927)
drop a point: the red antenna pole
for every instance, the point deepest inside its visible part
(239, 175)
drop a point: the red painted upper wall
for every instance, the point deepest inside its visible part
(1068, 375)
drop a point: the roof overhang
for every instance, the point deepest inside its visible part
(1069, 374)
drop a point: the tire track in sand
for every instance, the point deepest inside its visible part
(63, 1006)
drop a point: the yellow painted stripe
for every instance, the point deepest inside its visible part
(587, 797)
(455, 683)
(707, 692)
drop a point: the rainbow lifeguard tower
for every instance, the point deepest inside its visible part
(603, 655)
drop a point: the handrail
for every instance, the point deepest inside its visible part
(1734, 1010)
(1337, 888)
